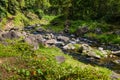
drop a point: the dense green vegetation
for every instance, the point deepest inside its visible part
(94, 14)
(42, 64)
(79, 9)
(18, 60)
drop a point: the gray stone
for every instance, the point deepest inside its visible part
(102, 50)
(117, 61)
(11, 35)
(116, 53)
(32, 41)
(115, 76)
(69, 47)
(51, 41)
(72, 35)
(117, 32)
(49, 36)
(63, 38)
(60, 43)
(40, 30)
(39, 38)
(60, 59)
(29, 27)
(72, 42)
(87, 50)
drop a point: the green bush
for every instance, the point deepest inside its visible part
(40, 13)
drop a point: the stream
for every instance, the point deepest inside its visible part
(61, 40)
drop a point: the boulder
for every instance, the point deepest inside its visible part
(87, 50)
(63, 38)
(31, 39)
(14, 28)
(11, 34)
(29, 28)
(49, 36)
(60, 43)
(51, 41)
(115, 76)
(39, 38)
(117, 32)
(40, 30)
(116, 53)
(69, 47)
(117, 61)
(104, 52)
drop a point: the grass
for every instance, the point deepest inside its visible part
(105, 38)
(42, 64)
(2, 24)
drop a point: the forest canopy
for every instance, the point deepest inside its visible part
(72, 9)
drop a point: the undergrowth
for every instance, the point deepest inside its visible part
(43, 65)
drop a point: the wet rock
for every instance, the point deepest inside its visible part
(24, 33)
(39, 38)
(117, 62)
(63, 38)
(103, 51)
(29, 28)
(32, 41)
(77, 40)
(69, 47)
(60, 43)
(51, 41)
(11, 35)
(14, 28)
(87, 50)
(115, 76)
(72, 35)
(117, 32)
(52, 36)
(49, 36)
(40, 30)
(116, 53)
(73, 42)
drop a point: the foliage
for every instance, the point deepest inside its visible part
(105, 38)
(79, 9)
(43, 65)
(15, 48)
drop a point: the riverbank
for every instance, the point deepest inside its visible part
(35, 44)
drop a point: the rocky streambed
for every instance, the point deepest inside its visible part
(83, 49)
